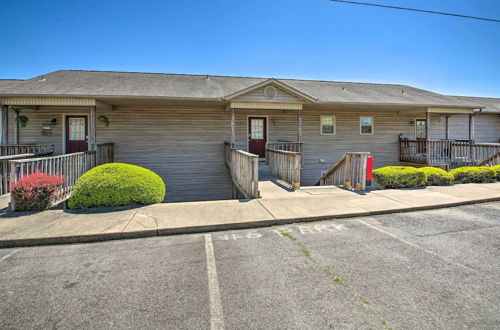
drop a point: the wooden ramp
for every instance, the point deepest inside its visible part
(273, 187)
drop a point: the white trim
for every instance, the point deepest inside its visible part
(321, 124)
(64, 128)
(373, 125)
(246, 131)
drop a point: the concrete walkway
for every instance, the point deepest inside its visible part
(308, 204)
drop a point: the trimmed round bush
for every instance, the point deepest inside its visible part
(496, 168)
(437, 176)
(117, 184)
(473, 174)
(399, 177)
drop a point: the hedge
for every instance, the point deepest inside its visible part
(117, 184)
(399, 177)
(473, 174)
(437, 176)
(496, 168)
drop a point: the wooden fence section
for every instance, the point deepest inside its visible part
(104, 152)
(70, 166)
(17, 149)
(244, 169)
(349, 172)
(285, 165)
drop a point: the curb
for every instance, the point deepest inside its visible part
(218, 227)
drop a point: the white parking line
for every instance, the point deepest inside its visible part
(416, 246)
(216, 317)
(7, 256)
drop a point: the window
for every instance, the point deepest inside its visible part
(366, 125)
(327, 125)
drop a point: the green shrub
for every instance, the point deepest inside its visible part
(437, 176)
(477, 174)
(399, 177)
(117, 184)
(496, 168)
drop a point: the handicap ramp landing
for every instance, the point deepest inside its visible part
(273, 187)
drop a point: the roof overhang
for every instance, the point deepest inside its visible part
(54, 101)
(293, 91)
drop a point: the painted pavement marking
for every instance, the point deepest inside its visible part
(416, 246)
(7, 256)
(216, 317)
(296, 229)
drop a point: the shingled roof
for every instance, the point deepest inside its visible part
(490, 104)
(102, 84)
(7, 83)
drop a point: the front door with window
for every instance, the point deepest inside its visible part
(421, 134)
(257, 136)
(76, 134)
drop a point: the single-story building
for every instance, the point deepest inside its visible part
(176, 124)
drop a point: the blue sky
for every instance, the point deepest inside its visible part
(310, 39)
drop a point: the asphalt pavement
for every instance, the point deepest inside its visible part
(435, 269)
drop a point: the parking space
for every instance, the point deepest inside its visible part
(430, 269)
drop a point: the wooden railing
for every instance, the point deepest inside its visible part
(17, 149)
(70, 166)
(425, 152)
(470, 153)
(285, 146)
(491, 161)
(285, 165)
(349, 172)
(244, 169)
(5, 170)
(104, 152)
(447, 152)
(228, 146)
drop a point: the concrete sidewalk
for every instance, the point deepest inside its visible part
(309, 204)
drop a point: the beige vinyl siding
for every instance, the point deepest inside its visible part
(183, 146)
(458, 126)
(383, 144)
(280, 126)
(257, 95)
(487, 128)
(32, 133)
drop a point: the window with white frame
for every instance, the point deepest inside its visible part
(366, 125)
(327, 125)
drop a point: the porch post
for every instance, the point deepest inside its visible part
(299, 125)
(427, 126)
(233, 128)
(471, 127)
(447, 125)
(5, 124)
(92, 128)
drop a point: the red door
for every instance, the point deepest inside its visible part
(257, 136)
(76, 134)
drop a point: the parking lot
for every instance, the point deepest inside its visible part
(427, 270)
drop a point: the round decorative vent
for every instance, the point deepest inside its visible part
(270, 92)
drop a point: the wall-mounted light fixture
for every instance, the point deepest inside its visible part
(274, 121)
(53, 122)
(412, 123)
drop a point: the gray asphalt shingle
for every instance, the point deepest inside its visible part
(157, 85)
